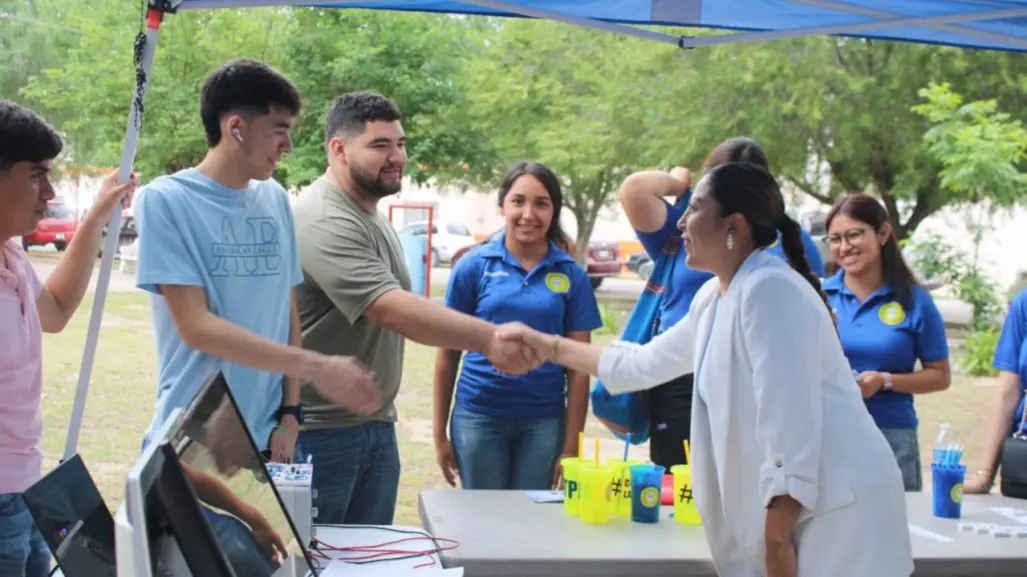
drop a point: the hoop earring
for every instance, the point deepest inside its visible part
(730, 241)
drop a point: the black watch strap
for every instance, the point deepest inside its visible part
(294, 410)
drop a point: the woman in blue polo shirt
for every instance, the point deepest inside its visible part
(1007, 414)
(887, 323)
(508, 432)
(655, 221)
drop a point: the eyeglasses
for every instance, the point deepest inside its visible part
(853, 236)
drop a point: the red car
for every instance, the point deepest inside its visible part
(603, 259)
(58, 227)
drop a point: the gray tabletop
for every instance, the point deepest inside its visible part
(505, 534)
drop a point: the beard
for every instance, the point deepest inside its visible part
(372, 184)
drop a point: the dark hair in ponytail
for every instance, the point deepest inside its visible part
(751, 190)
(551, 182)
(866, 209)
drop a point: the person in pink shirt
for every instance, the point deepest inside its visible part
(29, 307)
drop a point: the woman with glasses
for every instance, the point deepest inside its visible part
(887, 323)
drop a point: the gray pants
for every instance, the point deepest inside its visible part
(906, 447)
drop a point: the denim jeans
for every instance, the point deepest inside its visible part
(356, 473)
(237, 543)
(23, 553)
(906, 447)
(499, 453)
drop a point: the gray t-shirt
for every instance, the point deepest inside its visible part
(350, 258)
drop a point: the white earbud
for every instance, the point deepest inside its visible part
(235, 133)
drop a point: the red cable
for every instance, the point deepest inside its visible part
(380, 550)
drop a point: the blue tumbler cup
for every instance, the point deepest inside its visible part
(948, 490)
(646, 493)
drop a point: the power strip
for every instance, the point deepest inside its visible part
(293, 484)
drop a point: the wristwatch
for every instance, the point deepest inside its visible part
(887, 381)
(294, 410)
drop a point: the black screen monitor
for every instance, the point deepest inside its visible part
(74, 520)
(210, 429)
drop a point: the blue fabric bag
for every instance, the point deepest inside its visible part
(629, 412)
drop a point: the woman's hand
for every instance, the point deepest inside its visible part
(781, 558)
(446, 458)
(979, 484)
(267, 538)
(558, 470)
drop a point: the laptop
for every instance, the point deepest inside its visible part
(74, 520)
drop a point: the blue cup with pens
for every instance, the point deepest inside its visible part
(947, 475)
(646, 493)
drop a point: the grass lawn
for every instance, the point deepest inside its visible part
(122, 393)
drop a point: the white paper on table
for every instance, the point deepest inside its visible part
(339, 568)
(1018, 515)
(918, 530)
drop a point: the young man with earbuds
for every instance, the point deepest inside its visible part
(217, 251)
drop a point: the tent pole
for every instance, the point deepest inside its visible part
(110, 245)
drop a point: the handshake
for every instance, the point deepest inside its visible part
(516, 349)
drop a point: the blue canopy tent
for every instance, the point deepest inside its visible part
(981, 24)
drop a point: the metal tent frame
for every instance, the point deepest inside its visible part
(983, 24)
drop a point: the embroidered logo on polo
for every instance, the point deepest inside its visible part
(558, 282)
(891, 314)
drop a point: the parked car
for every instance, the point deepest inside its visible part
(602, 261)
(57, 227)
(126, 236)
(447, 238)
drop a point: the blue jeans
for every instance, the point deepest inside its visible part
(356, 473)
(237, 543)
(500, 453)
(906, 447)
(23, 553)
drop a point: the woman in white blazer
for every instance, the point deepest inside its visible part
(791, 476)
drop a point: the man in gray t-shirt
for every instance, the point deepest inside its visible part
(355, 298)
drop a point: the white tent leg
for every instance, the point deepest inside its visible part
(110, 245)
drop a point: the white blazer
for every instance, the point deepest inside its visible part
(776, 412)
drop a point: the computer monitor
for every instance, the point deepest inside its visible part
(214, 442)
(74, 520)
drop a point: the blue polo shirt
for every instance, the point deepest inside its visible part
(1011, 351)
(555, 297)
(685, 282)
(881, 334)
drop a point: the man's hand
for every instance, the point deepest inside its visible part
(446, 458)
(346, 382)
(283, 440)
(870, 383)
(509, 351)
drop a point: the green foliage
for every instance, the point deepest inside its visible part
(979, 352)
(936, 258)
(979, 147)
(414, 59)
(611, 321)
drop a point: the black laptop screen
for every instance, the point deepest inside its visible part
(74, 520)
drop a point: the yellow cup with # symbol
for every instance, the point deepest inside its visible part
(572, 483)
(684, 501)
(594, 484)
(620, 500)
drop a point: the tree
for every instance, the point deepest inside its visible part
(846, 104)
(575, 100)
(412, 59)
(90, 92)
